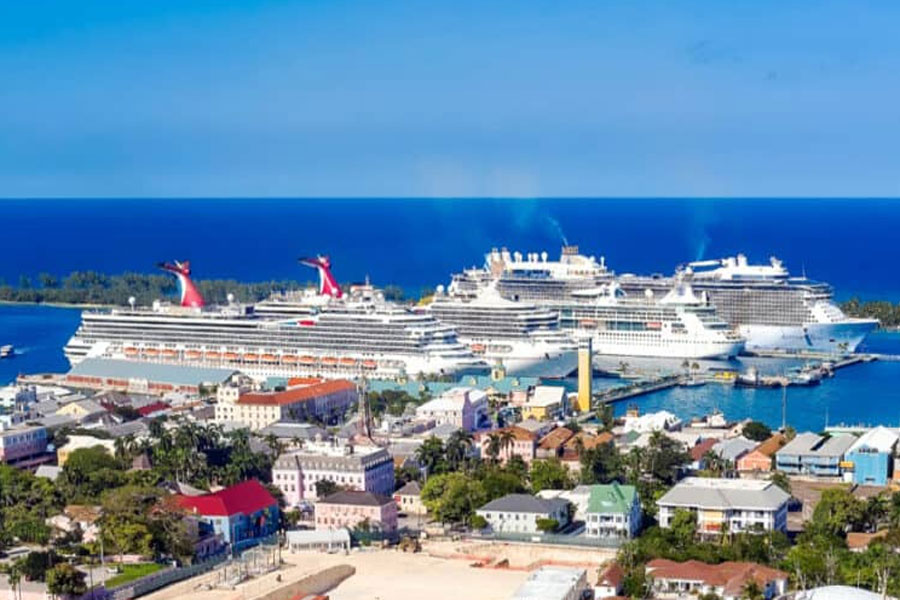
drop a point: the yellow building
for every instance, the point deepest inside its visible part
(546, 403)
(585, 376)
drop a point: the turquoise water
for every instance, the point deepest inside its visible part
(864, 393)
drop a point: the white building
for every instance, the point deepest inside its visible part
(462, 407)
(658, 421)
(520, 513)
(360, 468)
(735, 504)
(325, 400)
(553, 583)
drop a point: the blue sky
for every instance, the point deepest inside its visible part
(333, 98)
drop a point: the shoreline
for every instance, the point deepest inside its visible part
(57, 304)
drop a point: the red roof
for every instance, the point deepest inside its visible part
(297, 394)
(245, 498)
(700, 450)
(732, 576)
(153, 407)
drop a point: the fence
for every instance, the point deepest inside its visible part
(550, 538)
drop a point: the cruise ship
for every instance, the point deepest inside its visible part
(773, 310)
(524, 339)
(676, 324)
(325, 334)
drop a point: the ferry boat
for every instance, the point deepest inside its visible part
(320, 333)
(6, 351)
(522, 338)
(774, 311)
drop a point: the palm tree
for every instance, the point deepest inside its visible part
(507, 440)
(494, 446)
(297, 441)
(457, 449)
(14, 577)
(752, 591)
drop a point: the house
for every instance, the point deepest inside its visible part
(518, 442)
(813, 454)
(23, 445)
(538, 428)
(554, 583)
(578, 443)
(760, 459)
(613, 511)
(546, 403)
(520, 513)
(79, 442)
(463, 407)
(871, 457)
(82, 411)
(609, 581)
(727, 580)
(699, 451)
(731, 449)
(551, 445)
(734, 505)
(352, 509)
(657, 421)
(242, 514)
(859, 541)
(323, 400)
(409, 499)
(355, 467)
(78, 516)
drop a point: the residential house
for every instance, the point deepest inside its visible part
(463, 407)
(732, 449)
(546, 403)
(578, 443)
(609, 582)
(520, 513)
(761, 458)
(520, 442)
(698, 453)
(551, 445)
(726, 580)
(352, 509)
(733, 505)
(82, 411)
(362, 468)
(242, 514)
(409, 499)
(613, 511)
(871, 457)
(323, 400)
(813, 454)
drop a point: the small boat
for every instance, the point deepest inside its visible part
(251, 357)
(192, 355)
(307, 360)
(213, 356)
(348, 362)
(289, 359)
(151, 351)
(7, 351)
(329, 361)
(269, 358)
(131, 351)
(369, 364)
(692, 382)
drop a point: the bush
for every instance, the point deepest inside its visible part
(756, 431)
(547, 525)
(477, 522)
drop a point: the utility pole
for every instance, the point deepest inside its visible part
(783, 408)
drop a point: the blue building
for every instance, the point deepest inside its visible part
(871, 457)
(813, 454)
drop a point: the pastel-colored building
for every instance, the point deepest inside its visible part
(22, 445)
(871, 457)
(361, 468)
(520, 513)
(351, 509)
(613, 511)
(761, 458)
(324, 400)
(461, 407)
(519, 442)
(814, 454)
(546, 403)
(242, 514)
(727, 580)
(79, 442)
(409, 499)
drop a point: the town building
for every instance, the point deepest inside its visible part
(871, 457)
(352, 509)
(520, 513)
(104, 374)
(609, 581)
(732, 449)
(734, 505)
(551, 445)
(324, 400)
(243, 514)
(409, 499)
(513, 441)
(554, 583)
(613, 511)
(813, 454)
(462, 407)
(546, 403)
(726, 580)
(658, 421)
(578, 443)
(761, 458)
(699, 453)
(79, 442)
(321, 540)
(23, 445)
(361, 468)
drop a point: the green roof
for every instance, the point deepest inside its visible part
(612, 498)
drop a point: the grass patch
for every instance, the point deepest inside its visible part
(132, 572)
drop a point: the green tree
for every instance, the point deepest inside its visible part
(452, 497)
(459, 445)
(837, 512)
(781, 480)
(325, 488)
(431, 456)
(65, 580)
(547, 525)
(757, 431)
(605, 417)
(549, 475)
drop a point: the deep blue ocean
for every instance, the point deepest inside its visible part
(851, 244)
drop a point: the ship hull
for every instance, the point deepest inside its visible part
(671, 349)
(837, 338)
(551, 365)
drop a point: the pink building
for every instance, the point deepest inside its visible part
(351, 509)
(514, 441)
(22, 445)
(461, 407)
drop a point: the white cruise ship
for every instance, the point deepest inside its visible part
(313, 335)
(523, 338)
(773, 310)
(584, 294)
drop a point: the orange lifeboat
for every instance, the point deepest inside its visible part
(131, 351)
(307, 360)
(213, 356)
(151, 351)
(348, 362)
(192, 355)
(269, 358)
(251, 357)
(289, 359)
(329, 361)
(369, 364)
(231, 356)
(478, 348)
(169, 353)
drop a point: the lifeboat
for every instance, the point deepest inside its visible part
(151, 351)
(251, 357)
(169, 353)
(231, 356)
(307, 360)
(213, 356)
(269, 358)
(477, 348)
(289, 359)
(369, 364)
(130, 351)
(588, 323)
(329, 361)
(192, 355)
(348, 362)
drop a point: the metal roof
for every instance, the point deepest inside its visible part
(550, 583)
(611, 498)
(524, 503)
(818, 445)
(713, 493)
(162, 373)
(880, 439)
